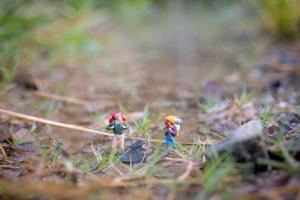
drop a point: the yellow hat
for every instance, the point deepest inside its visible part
(170, 119)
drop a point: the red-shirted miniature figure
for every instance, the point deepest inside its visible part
(117, 123)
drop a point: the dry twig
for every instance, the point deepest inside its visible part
(80, 128)
(56, 97)
(187, 172)
(96, 153)
(113, 166)
(3, 153)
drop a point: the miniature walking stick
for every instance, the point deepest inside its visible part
(117, 123)
(172, 129)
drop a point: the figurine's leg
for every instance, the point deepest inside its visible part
(167, 141)
(115, 143)
(170, 142)
(173, 143)
(122, 142)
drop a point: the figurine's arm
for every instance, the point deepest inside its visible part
(110, 126)
(125, 126)
(172, 131)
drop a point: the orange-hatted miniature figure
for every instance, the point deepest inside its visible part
(117, 123)
(172, 130)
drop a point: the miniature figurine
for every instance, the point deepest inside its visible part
(117, 123)
(172, 130)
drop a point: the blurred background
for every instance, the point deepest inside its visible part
(129, 54)
(178, 42)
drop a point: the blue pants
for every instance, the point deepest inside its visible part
(170, 141)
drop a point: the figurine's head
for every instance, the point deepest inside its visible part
(172, 120)
(169, 120)
(117, 116)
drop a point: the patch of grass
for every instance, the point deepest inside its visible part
(143, 125)
(68, 164)
(245, 96)
(288, 163)
(265, 116)
(281, 17)
(85, 165)
(16, 42)
(74, 39)
(284, 160)
(104, 162)
(61, 88)
(6, 75)
(281, 165)
(107, 159)
(33, 130)
(15, 142)
(128, 11)
(217, 169)
(96, 115)
(151, 165)
(112, 157)
(29, 29)
(51, 109)
(196, 151)
(51, 153)
(287, 156)
(207, 105)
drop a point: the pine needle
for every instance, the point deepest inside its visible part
(55, 97)
(3, 153)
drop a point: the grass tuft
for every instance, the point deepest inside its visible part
(144, 125)
(218, 168)
(265, 116)
(281, 17)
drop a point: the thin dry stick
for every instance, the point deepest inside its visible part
(53, 123)
(9, 167)
(187, 171)
(96, 153)
(79, 128)
(56, 97)
(113, 166)
(175, 159)
(3, 153)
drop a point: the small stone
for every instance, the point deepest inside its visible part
(138, 152)
(224, 127)
(243, 144)
(246, 132)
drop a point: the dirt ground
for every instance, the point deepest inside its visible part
(159, 65)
